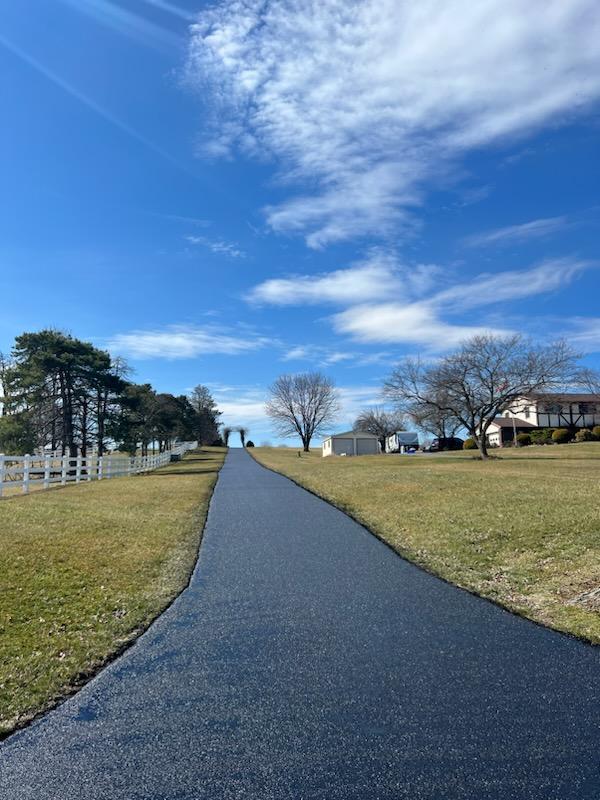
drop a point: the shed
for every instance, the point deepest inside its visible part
(351, 443)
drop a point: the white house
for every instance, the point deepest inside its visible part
(570, 410)
(351, 443)
(401, 441)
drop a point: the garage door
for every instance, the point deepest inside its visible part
(343, 446)
(366, 447)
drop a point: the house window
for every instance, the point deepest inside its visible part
(552, 408)
(587, 408)
(527, 413)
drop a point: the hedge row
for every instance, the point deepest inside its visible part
(548, 436)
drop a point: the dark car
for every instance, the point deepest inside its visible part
(449, 443)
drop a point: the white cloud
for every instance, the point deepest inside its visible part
(422, 323)
(184, 341)
(482, 290)
(416, 324)
(218, 246)
(583, 333)
(378, 276)
(535, 229)
(318, 355)
(369, 101)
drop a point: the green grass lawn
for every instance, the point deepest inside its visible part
(522, 530)
(84, 569)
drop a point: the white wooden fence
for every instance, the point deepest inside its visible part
(46, 470)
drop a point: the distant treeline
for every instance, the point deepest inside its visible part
(60, 393)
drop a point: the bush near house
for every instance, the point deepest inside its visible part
(596, 432)
(543, 436)
(469, 444)
(584, 435)
(561, 436)
(523, 439)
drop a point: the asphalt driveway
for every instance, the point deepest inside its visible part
(306, 660)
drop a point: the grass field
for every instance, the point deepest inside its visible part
(522, 530)
(84, 569)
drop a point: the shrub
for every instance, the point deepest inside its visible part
(470, 444)
(596, 432)
(523, 439)
(250, 443)
(561, 436)
(542, 437)
(584, 435)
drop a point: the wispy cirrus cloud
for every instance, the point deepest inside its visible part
(127, 23)
(417, 324)
(430, 322)
(548, 276)
(322, 356)
(368, 102)
(377, 276)
(218, 246)
(185, 341)
(317, 355)
(171, 8)
(535, 229)
(388, 302)
(583, 333)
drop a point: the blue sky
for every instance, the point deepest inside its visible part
(224, 192)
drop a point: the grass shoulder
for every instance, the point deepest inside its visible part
(522, 530)
(84, 570)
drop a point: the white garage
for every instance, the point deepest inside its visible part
(351, 443)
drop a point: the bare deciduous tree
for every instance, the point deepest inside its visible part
(434, 420)
(226, 435)
(302, 405)
(242, 432)
(380, 423)
(484, 377)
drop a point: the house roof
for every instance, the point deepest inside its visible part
(568, 397)
(504, 422)
(353, 434)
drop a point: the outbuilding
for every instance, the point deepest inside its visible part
(351, 443)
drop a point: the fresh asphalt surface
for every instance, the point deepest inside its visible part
(307, 660)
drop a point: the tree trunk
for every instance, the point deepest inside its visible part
(84, 422)
(482, 445)
(100, 420)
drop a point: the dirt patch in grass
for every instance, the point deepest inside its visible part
(84, 569)
(523, 530)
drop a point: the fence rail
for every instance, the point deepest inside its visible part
(43, 471)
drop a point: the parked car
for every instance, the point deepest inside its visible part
(449, 443)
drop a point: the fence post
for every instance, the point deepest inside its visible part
(46, 471)
(89, 467)
(64, 463)
(100, 467)
(78, 469)
(1, 472)
(26, 465)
